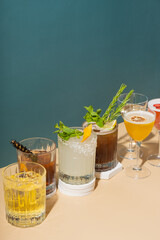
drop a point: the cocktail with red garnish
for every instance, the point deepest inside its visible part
(154, 105)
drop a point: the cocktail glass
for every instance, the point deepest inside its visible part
(137, 101)
(25, 194)
(154, 105)
(139, 124)
(106, 151)
(44, 153)
(77, 159)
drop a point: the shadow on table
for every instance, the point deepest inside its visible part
(148, 149)
(151, 135)
(124, 137)
(96, 182)
(120, 146)
(50, 202)
(123, 142)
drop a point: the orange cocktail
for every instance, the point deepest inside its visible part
(139, 124)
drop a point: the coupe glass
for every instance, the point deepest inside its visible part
(154, 105)
(139, 124)
(137, 101)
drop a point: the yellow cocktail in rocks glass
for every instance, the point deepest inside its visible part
(25, 194)
(139, 124)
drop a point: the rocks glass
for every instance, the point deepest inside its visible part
(44, 153)
(25, 194)
(77, 165)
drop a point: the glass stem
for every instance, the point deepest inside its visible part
(130, 144)
(137, 166)
(159, 143)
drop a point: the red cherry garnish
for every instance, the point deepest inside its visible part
(157, 105)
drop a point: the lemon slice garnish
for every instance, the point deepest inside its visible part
(87, 132)
(110, 125)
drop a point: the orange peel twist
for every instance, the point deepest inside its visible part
(87, 132)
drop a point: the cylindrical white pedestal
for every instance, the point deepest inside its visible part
(76, 190)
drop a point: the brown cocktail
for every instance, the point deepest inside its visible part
(107, 131)
(43, 151)
(106, 151)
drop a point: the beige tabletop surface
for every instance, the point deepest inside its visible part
(118, 209)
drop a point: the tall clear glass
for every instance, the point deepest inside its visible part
(139, 124)
(106, 150)
(154, 105)
(77, 159)
(25, 194)
(44, 153)
(137, 101)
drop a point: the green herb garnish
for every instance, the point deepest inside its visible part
(66, 133)
(111, 113)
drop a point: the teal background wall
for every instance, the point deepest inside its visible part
(57, 56)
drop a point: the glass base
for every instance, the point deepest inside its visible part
(75, 180)
(137, 173)
(51, 194)
(128, 153)
(110, 173)
(105, 166)
(25, 221)
(76, 190)
(51, 189)
(154, 160)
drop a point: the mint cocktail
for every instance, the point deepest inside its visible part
(77, 159)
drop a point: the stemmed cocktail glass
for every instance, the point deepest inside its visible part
(139, 124)
(154, 105)
(137, 101)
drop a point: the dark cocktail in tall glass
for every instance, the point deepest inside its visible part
(106, 151)
(106, 128)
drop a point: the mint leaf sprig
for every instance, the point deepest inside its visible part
(111, 113)
(92, 116)
(66, 133)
